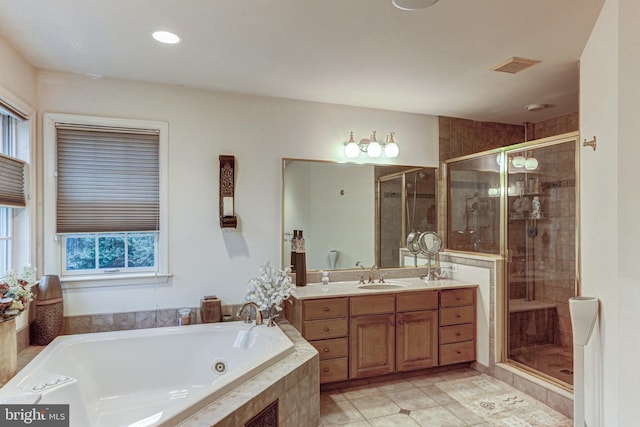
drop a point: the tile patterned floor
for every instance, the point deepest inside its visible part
(452, 399)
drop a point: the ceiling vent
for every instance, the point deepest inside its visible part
(515, 65)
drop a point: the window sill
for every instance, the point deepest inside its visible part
(111, 280)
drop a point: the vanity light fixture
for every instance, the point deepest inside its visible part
(371, 146)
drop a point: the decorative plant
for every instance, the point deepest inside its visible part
(15, 292)
(271, 288)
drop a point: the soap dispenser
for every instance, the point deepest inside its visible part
(325, 281)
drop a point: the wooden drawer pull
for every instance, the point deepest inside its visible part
(326, 369)
(326, 309)
(326, 329)
(458, 316)
(458, 351)
(326, 350)
(458, 334)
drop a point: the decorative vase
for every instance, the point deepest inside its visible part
(49, 310)
(8, 350)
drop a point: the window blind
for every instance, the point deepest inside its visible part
(107, 179)
(12, 182)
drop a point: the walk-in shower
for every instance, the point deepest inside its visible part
(520, 202)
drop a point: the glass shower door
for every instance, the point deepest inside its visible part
(541, 248)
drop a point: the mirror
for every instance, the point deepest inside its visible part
(356, 212)
(430, 243)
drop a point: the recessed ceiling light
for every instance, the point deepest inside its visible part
(413, 4)
(537, 107)
(166, 37)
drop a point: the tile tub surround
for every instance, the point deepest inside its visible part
(294, 381)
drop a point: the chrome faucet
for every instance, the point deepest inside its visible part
(258, 313)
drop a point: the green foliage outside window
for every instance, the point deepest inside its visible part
(114, 251)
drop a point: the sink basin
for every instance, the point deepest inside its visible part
(380, 286)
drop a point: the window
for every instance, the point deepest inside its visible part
(15, 218)
(5, 211)
(107, 198)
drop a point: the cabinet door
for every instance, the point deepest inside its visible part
(372, 345)
(416, 340)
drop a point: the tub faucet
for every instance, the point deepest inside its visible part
(258, 313)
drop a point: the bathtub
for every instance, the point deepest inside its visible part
(147, 377)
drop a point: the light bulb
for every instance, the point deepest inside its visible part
(391, 150)
(531, 164)
(352, 150)
(374, 149)
(518, 161)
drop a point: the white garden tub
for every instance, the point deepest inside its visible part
(147, 377)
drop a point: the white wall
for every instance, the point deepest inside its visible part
(609, 105)
(259, 131)
(17, 77)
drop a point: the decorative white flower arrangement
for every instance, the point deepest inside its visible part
(271, 288)
(15, 292)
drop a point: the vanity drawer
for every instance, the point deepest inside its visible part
(456, 333)
(457, 353)
(456, 315)
(374, 304)
(331, 349)
(323, 329)
(325, 308)
(457, 297)
(334, 370)
(416, 301)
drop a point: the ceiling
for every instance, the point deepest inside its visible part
(354, 52)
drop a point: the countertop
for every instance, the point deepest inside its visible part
(351, 288)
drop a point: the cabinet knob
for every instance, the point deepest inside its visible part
(401, 322)
(391, 323)
(458, 316)
(326, 309)
(458, 334)
(459, 352)
(326, 329)
(326, 350)
(326, 369)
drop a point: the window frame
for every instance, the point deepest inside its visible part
(22, 245)
(53, 250)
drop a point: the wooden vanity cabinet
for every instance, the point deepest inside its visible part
(457, 325)
(372, 335)
(416, 331)
(324, 323)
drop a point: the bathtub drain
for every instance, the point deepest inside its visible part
(219, 366)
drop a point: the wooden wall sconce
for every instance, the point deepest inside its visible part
(227, 186)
